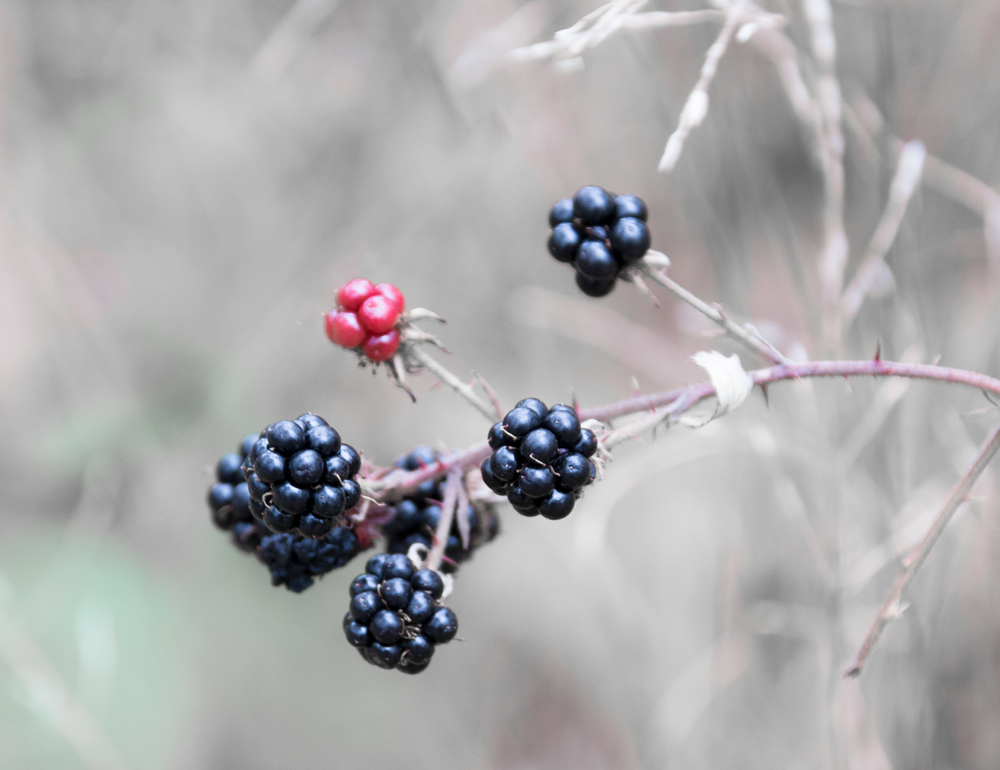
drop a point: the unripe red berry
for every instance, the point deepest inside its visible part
(378, 314)
(383, 347)
(353, 293)
(392, 294)
(344, 329)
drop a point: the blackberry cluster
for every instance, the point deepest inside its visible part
(415, 518)
(599, 234)
(300, 477)
(295, 561)
(396, 618)
(229, 497)
(539, 458)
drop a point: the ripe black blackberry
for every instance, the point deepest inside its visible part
(599, 234)
(540, 458)
(295, 561)
(300, 477)
(415, 518)
(229, 497)
(396, 619)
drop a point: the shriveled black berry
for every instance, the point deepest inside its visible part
(337, 470)
(587, 444)
(595, 261)
(420, 607)
(593, 205)
(630, 238)
(352, 457)
(565, 426)
(279, 521)
(428, 580)
(352, 493)
(535, 405)
(270, 466)
(386, 626)
(323, 439)
(311, 525)
(496, 437)
(562, 211)
(539, 446)
(357, 633)
(572, 471)
(504, 464)
(630, 206)
(595, 288)
(520, 421)
(418, 650)
(364, 606)
(597, 233)
(290, 498)
(374, 565)
(219, 495)
(223, 517)
(397, 566)
(228, 468)
(489, 479)
(536, 482)
(564, 241)
(362, 583)
(442, 626)
(285, 437)
(396, 593)
(328, 502)
(306, 468)
(558, 505)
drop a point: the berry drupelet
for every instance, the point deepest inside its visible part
(415, 518)
(300, 477)
(366, 319)
(540, 458)
(599, 234)
(395, 618)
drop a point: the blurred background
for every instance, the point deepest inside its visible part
(184, 184)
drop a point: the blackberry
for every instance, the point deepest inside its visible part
(295, 561)
(396, 621)
(600, 235)
(540, 459)
(415, 518)
(229, 497)
(300, 477)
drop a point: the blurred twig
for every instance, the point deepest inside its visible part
(281, 46)
(833, 261)
(53, 698)
(892, 607)
(874, 277)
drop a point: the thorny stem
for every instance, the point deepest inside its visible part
(754, 343)
(892, 607)
(453, 486)
(453, 382)
(399, 482)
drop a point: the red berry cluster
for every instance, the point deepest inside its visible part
(366, 317)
